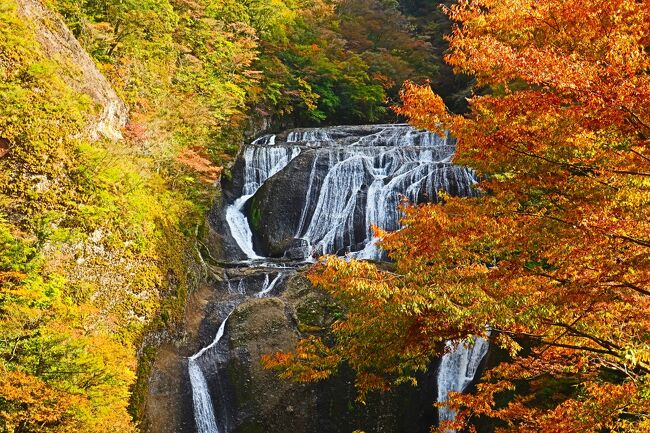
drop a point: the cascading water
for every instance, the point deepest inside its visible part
(203, 410)
(268, 287)
(349, 178)
(457, 370)
(239, 227)
(204, 415)
(358, 177)
(373, 181)
(262, 161)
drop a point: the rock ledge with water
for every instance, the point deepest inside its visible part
(326, 187)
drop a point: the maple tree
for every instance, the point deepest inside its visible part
(554, 256)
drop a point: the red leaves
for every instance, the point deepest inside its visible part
(196, 159)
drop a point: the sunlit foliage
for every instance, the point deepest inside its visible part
(88, 234)
(554, 257)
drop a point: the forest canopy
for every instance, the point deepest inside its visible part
(201, 67)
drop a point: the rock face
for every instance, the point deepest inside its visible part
(259, 401)
(275, 222)
(326, 187)
(249, 399)
(59, 43)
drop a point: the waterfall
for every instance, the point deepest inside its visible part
(268, 287)
(262, 160)
(203, 414)
(368, 171)
(203, 410)
(308, 135)
(371, 176)
(239, 227)
(265, 140)
(457, 370)
(202, 402)
(332, 220)
(357, 177)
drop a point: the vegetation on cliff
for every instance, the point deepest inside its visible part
(93, 247)
(554, 257)
(192, 72)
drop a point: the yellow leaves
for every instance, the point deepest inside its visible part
(508, 343)
(638, 355)
(56, 375)
(307, 95)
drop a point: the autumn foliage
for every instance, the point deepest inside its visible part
(554, 256)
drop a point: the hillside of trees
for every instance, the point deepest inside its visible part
(100, 238)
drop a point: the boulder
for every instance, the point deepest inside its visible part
(275, 210)
(260, 401)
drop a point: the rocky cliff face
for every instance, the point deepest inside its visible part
(249, 399)
(59, 43)
(262, 402)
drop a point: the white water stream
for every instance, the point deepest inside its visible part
(239, 227)
(353, 173)
(457, 370)
(263, 159)
(203, 410)
(268, 287)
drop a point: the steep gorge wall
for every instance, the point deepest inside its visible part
(58, 42)
(92, 233)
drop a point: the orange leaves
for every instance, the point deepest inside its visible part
(555, 255)
(30, 405)
(564, 217)
(195, 159)
(572, 50)
(311, 361)
(11, 276)
(423, 107)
